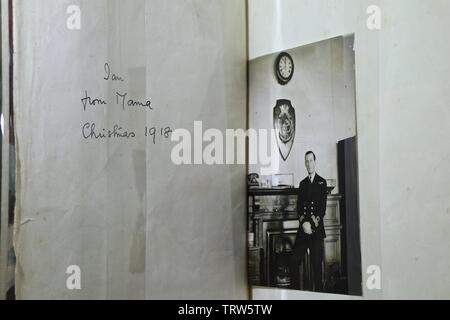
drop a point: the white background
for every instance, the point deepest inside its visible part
(403, 94)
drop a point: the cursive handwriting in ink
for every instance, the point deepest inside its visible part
(121, 100)
(87, 100)
(108, 75)
(152, 132)
(89, 132)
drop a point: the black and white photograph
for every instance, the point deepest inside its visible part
(303, 214)
(262, 152)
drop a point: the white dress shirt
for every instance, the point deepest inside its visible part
(311, 177)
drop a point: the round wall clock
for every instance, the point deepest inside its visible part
(284, 68)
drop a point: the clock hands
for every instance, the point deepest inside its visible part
(284, 68)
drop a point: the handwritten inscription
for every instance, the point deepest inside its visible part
(91, 131)
(121, 100)
(153, 132)
(109, 76)
(87, 100)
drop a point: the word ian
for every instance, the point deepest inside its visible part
(109, 76)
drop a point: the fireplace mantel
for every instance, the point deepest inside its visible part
(268, 224)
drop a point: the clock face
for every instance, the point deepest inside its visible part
(284, 68)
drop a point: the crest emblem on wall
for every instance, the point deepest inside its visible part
(284, 125)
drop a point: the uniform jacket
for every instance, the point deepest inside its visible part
(312, 200)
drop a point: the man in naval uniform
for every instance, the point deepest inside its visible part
(311, 205)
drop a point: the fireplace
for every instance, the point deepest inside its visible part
(280, 245)
(273, 228)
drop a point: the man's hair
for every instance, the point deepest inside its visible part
(310, 152)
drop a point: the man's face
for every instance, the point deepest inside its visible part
(310, 163)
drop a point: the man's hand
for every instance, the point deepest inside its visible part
(307, 227)
(316, 221)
